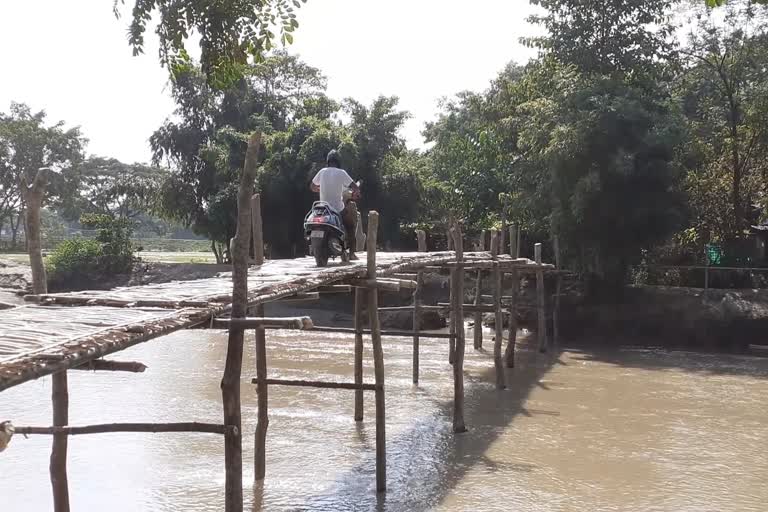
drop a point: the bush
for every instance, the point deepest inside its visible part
(86, 260)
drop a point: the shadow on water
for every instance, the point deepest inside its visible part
(707, 363)
(426, 461)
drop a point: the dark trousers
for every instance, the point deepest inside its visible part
(349, 218)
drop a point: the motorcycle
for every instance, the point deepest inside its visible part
(324, 232)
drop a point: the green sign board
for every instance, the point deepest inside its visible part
(714, 254)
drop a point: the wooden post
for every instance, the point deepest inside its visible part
(421, 238)
(378, 356)
(509, 355)
(458, 362)
(503, 234)
(499, 317)
(34, 194)
(478, 329)
(517, 245)
(417, 324)
(58, 464)
(706, 271)
(452, 328)
(558, 291)
(230, 382)
(262, 422)
(359, 306)
(541, 311)
(513, 241)
(258, 231)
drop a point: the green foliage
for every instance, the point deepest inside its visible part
(109, 253)
(27, 145)
(230, 32)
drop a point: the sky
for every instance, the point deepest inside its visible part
(71, 59)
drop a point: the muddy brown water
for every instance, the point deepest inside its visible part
(621, 430)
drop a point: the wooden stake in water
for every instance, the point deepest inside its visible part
(378, 356)
(499, 317)
(478, 329)
(458, 362)
(359, 306)
(262, 422)
(541, 310)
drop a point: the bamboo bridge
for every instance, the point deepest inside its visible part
(55, 333)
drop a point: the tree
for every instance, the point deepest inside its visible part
(230, 32)
(724, 88)
(28, 145)
(108, 186)
(606, 36)
(205, 142)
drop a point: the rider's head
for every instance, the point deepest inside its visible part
(333, 159)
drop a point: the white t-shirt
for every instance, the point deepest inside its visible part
(332, 182)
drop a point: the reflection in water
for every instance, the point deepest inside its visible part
(607, 431)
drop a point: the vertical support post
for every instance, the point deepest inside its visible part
(378, 357)
(230, 382)
(509, 354)
(452, 328)
(262, 422)
(517, 245)
(513, 241)
(421, 238)
(540, 305)
(458, 362)
(417, 323)
(359, 306)
(706, 271)
(503, 234)
(499, 317)
(558, 291)
(58, 464)
(478, 329)
(257, 230)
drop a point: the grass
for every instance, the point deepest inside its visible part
(148, 256)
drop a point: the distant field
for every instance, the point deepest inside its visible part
(152, 256)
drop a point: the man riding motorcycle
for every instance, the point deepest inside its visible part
(331, 182)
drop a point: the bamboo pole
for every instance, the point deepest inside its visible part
(513, 241)
(509, 355)
(421, 237)
(112, 366)
(299, 323)
(317, 384)
(359, 320)
(107, 428)
(540, 305)
(458, 315)
(558, 289)
(403, 334)
(262, 421)
(230, 382)
(58, 465)
(417, 324)
(257, 230)
(378, 357)
(499, 318)
(478, 329)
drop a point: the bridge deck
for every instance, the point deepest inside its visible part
(67, 330)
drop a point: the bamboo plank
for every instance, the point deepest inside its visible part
(317, 384)
(106, 428)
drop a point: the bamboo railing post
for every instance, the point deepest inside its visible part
(378, 356)
(478, 328)
(499, 317)
(541, 312)
(257, 230)
(513, 240)
(359, 306)
(558, 291)
(517, 244)
(58, 464)
(262, 421)
(509, 355)
(458, 362)
(421, 237)
(230, 382)
(453, 329)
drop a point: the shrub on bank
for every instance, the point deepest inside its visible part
(80, 260)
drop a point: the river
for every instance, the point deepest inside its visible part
(599, 430)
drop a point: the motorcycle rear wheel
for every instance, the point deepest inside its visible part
(320, 252)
